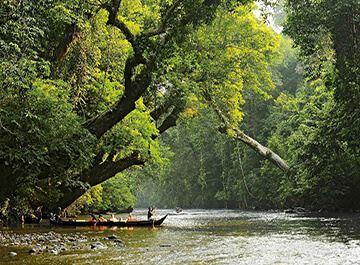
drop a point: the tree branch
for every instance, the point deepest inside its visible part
(70, 33)
(64, 43)
(155, 114)
(161, 29)
(123, 28)
(109, 168)
(240, 136)
(169, 122)
(97, 175)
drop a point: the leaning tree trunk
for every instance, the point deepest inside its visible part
(260, 149)
(240, 136)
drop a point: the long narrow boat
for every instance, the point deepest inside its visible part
(151, 222)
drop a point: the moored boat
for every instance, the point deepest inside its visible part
(133, 223)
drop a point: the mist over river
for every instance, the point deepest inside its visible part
(195, 236)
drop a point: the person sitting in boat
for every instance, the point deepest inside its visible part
(113, 219)
(92, 218)
(130, 218)
(58, 214)
(102, 219)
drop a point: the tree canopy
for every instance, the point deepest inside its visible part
(87, 88)
(312, 122)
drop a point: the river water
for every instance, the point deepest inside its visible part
(204, 237)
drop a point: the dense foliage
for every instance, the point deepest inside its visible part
(209, 169)
(91, 89)
(312, 122)
(111, 196)
(87, 87)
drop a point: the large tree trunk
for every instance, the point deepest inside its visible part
(135, 85)
(104, 170)
(97, 175)
(133, 91)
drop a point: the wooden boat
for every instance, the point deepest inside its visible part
(135, 223)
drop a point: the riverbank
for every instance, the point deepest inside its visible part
(54, 243)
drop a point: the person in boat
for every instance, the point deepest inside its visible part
(58, 214)
(102, 219)
(92, 218)
(113, 219)
(150, 213)
(130, 218)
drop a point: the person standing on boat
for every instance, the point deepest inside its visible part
(58, 215)
(38, 214)
(150, 213)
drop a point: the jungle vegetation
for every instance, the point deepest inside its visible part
(197, 103)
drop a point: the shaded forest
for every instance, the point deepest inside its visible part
(194, 103)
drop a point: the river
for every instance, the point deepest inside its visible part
(201, 237)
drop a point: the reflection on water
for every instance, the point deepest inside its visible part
(210, 237)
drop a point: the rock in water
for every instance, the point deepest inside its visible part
(55, 251)
(98, 245)
(111, 237)
(36, 250)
